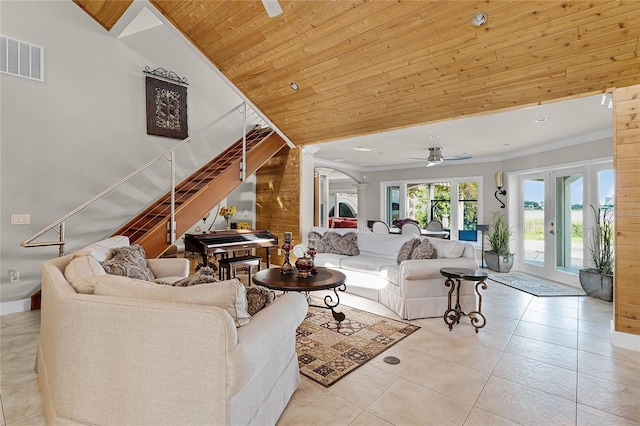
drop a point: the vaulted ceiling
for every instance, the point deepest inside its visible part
(364, 67)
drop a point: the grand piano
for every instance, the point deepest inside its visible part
(224, 241)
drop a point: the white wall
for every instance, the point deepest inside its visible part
(586, 151)
(82, 129)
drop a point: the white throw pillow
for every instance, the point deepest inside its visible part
(447, 249)
(101, 250)
(229, 295)
(81, 273)
(382, 245)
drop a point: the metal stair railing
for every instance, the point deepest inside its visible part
(141, 187)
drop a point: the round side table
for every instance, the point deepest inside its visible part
(454, 276)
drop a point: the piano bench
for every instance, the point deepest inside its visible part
(226, 266)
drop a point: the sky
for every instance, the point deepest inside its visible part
(534, 190)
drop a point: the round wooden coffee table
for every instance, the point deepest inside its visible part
(324, 279)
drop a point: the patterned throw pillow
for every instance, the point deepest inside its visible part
(406, 251)
(320, 245)
(257, 298)
(129, 261)
(203, 276)
(332, 242)
(425, 250)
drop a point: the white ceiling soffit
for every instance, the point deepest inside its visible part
(489, 137)
(144, 20)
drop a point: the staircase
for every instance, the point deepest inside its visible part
(200, 192)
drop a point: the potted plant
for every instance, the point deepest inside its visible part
(597, 281)
(499, 258)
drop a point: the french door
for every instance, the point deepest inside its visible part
(551, 215)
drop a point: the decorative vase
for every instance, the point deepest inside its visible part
(597, 285)
(498, 262)
(227, 223)
(304, 266)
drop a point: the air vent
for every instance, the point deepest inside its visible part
(21, 58)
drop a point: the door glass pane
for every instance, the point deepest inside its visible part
(467, 211)
(605, 189)
(568, 225)
(533, 220)
(393, 203)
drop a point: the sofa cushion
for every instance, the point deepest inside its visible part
(229, 295)
(129, 261)
(425, 250)
(382, 245)
(102, 250)
(448, 249)
(364, 263)
(332, 242)
(328, 260)
(81, 271)
(406, 251)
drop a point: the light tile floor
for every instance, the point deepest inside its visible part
(538, 361)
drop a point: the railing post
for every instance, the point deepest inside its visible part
(243, 170)
(172, 225)
(61, 246)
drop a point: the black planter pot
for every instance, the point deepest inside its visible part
(498, 262)
(597, 285)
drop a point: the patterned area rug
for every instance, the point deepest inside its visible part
(536, 286)
(328, 351)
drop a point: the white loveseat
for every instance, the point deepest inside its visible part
(412, 289)
(136, 361)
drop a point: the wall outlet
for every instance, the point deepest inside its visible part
(279, 252)
(14, 275)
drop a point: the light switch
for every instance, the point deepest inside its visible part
(20, 219)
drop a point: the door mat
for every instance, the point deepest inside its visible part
(328, 351)
(535, 286)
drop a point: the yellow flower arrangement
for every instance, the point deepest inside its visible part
(244, 225)
(227, 212)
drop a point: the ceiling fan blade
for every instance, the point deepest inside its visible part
(459, 157)
(272, 7)
(434, 162)
(417, 158)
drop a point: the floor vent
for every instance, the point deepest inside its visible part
(21, 59)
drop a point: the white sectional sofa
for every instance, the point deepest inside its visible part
(413, 288)
(143, 358)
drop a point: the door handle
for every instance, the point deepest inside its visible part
(552, 232)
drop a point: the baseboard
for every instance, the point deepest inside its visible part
(15, 306)
(624, 340)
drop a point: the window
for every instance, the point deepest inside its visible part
(431, 200)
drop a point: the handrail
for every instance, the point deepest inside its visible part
(60, 222)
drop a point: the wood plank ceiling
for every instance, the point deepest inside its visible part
(369, 66)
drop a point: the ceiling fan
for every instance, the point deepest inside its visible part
(272, 7)
(436, 157)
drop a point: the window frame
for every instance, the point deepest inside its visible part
(454, 218)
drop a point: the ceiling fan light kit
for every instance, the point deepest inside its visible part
(479, 19)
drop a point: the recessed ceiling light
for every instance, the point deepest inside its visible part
(540, 120)
(359, 148)
(479, 19)
(433, 136)
(294, 86)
